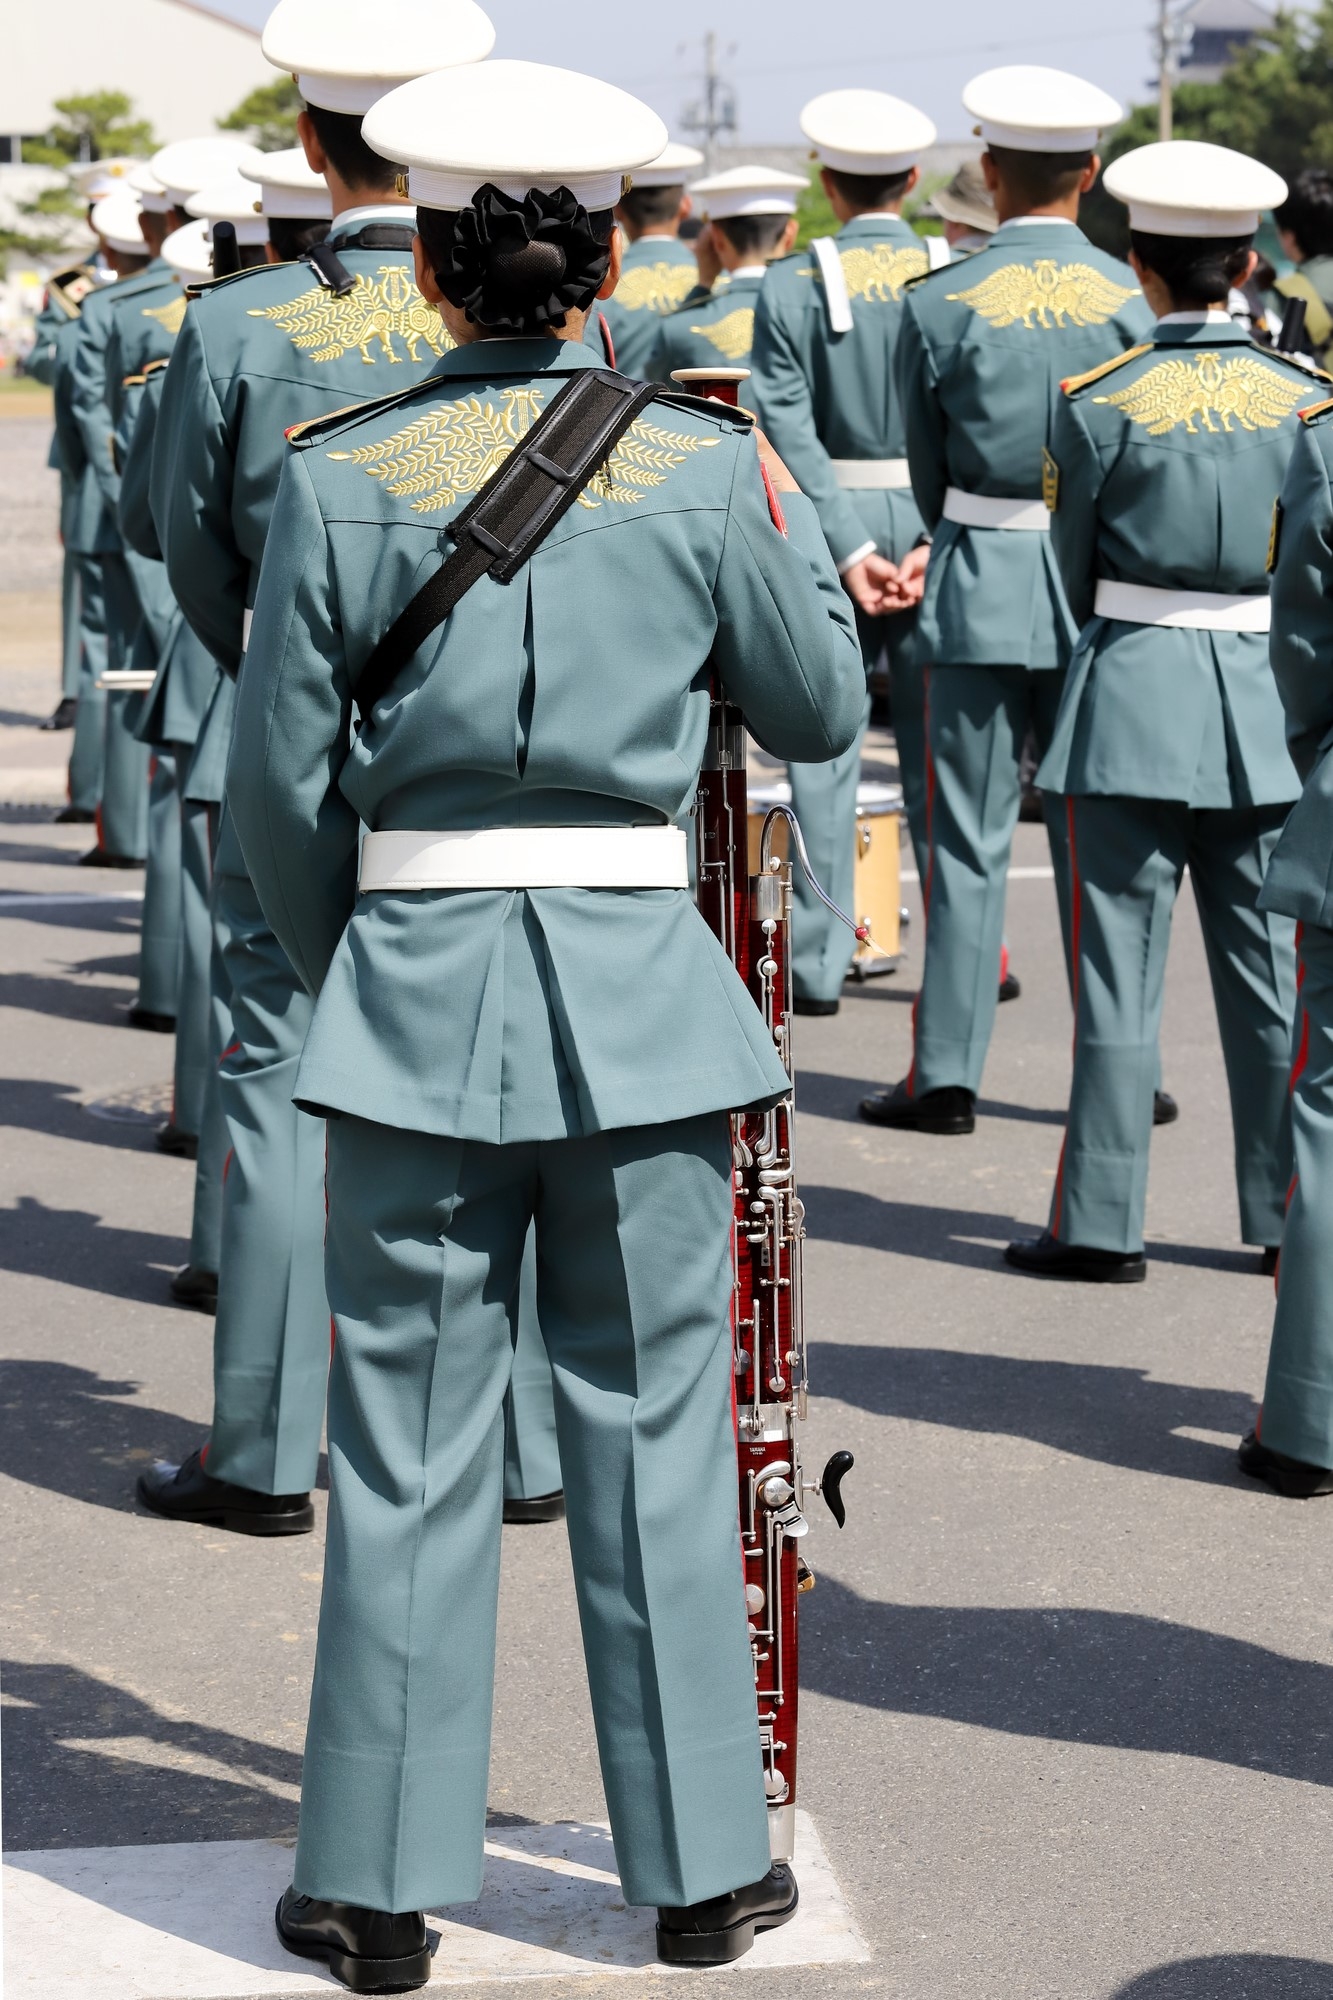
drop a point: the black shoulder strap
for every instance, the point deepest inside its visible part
(328, 266)
(514, 511)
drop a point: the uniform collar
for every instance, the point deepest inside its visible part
(658, 249)
(352, 219)
(1037, 222)
(1200, 330)
(516, 357)
(749, 271)
(882, 226)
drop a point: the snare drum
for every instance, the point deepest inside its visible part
(878, 873)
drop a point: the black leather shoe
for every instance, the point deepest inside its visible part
(800, 1005)
(1011, 987)
(716, 1932)
(99, 857)
(369, 1950)
(62, 716)
(1165, 1110)
(191, 1286)
(949, 1113)
(1289, 1476)
(74, 816)
(546, 1507)
(169, 1138)
(188, 1493)
(1043, 1257)
(1269, 1259)
(151, 1023)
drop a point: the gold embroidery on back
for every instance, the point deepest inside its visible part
(369, 318)
(656, 287)
(881, 271)
(1046, 294)
(451, 450)
(1242, 390)
(170, 317)
(733, 337)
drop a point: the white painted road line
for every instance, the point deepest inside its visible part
(195, 1921)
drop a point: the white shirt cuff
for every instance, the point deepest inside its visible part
(856, 556)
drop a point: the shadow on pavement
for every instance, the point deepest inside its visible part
(67, 1430)
(1237, 1976)
(88, 1764)
(1114, 1416)
(1071, 1675)
(913, 1229)
(65, 998)
(73, 1247)
(56, 1111)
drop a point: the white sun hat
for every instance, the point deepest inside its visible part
(344, 55)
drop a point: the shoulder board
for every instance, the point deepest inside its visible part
(205, 287)
(133, 381)
(155, 367)
(303, 435)
(1300, 361)
(1077, 382)
(1316, 411)
(708, 406)
(937, 271)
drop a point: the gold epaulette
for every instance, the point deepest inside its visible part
(1076, 382)
(1315, 411)
(306, 432)
(154, 367)
(133, 381)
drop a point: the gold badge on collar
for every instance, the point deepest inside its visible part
(1242, 390)
(733, 337)
(1050, 481)
(375, 313)
(1046, 294)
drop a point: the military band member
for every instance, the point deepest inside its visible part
(967, 210)
(580, 1075)
(258, 352)
(1168, 753)
(826, 327)
(660, 271)
(749, 219)
(982, 353)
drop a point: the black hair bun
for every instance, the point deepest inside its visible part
(518, 266)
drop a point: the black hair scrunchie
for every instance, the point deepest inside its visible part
(518, 266)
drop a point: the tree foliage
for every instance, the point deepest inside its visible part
(100, 126)
(814, 211)
(268, 115)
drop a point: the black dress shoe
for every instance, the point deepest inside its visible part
(1011, 987)
(194, 1287)
(369, 1950)
(1289, 1476)
(800, 1005)
(169, 1138)
(1268, 1260)
(1043, 1257)
(100, 857)
(74, 816)
(547, 1507)
(716, 1932)
(62, 716)
(1165, 1110)
(949, 1113)
(188, 1493)
(151, 1023)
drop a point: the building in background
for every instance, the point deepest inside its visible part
(1212, 32)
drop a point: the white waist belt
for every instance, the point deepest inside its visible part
(985, 510)
(127, 680)
(872, 475)
(527, 857)
(1197, 610)
(247, 621)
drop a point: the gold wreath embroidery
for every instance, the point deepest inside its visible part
(733, 337)
(451, 450)
(1241, 390)
(880, 272)
(656, 287)
(1046, 294)
(376, 311)
(169, 317)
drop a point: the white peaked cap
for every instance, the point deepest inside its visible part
(115, 218)
(230, 200)
(103, 177)
(189, 164)
(748, 191)
(153, 197)
(1184, 188)
(186, 250)
(866, 131)
(289, 187)
(1037, 110)
(345, 54)
(672, 167)
(517, 125)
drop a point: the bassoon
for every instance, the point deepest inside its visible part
(751, 916)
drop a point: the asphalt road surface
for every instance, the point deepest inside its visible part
(1068, 1722)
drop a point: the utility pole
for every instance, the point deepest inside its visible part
(715, 112)
(1168, 45)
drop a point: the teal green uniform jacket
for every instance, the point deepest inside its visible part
(92, 390)
(85, 526)
(823, 395)
(711, 330)
(984, 348)
(143, 332)
(572, 696)
(1166, 467)
(658, 273)
(1300, 877)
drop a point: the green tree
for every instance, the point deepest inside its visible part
(1275, 103)
(97, 127)
(814, 210)
(268, 115)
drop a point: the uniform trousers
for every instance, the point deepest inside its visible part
(193, 1005)
(633, 1243)
(1298, 1396)
(123, 815)
(160, 938)
(1128, 857)
(977, 720)
(71, 639)
(87, 749)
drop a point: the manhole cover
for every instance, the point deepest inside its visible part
(144, 1104)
